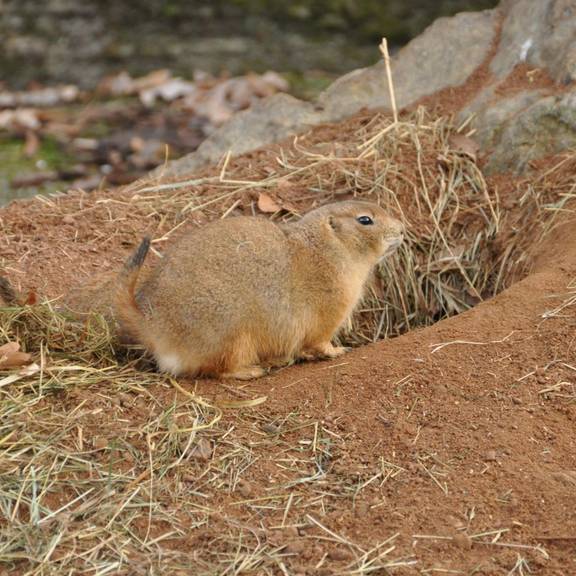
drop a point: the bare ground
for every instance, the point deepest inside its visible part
(447, 450)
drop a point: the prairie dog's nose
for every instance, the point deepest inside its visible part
(395, 229)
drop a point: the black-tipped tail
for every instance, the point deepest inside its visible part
(8, 295)
(126, 307)
(137, 259)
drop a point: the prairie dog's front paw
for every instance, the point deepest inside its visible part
(326, 350)
(334, 351)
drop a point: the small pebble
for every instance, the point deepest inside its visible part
(339, 554)
(491, 455)
(295, 547)
(244, 488)
(462, 541)
(270, 428)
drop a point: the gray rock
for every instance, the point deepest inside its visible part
(268, 121)
(443, 56)
(526, 126)
(491, 113)
(541, 33)
(517, 129)
(513, 130)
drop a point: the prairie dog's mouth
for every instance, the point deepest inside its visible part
(392, 244)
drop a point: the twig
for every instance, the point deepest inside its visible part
(437, 347)
(386, 55)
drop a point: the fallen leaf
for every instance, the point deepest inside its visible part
(172, 89)
(44, 97)
(9, 347)
(12, 357)
(213, 105)
(154, 78)
(267, 205)
(274, 79)
(22, 118)
(123, 84)
(31, 298)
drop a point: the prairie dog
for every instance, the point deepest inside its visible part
(245, 292)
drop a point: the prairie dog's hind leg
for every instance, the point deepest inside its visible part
(242, 360)
(245, 373)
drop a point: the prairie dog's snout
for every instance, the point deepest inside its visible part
(394, 236)
(212, 308)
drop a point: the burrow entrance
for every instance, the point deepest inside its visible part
(468, 236)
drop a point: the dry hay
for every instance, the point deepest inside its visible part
(99, 475)
(464, 243)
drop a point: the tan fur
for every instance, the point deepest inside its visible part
(244, 292)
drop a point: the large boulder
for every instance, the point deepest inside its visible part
(443, 56)
(516, 129)
(526, 126)
(541, 33)
(512, 129)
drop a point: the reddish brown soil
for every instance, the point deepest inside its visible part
(481, 429)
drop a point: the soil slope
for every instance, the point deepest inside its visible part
(450, 449)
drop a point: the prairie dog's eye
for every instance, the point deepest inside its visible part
(365, 220)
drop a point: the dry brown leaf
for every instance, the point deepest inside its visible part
(11, 357)
(266, 204)
(15, 360)
(463, 145)
(9, 348)
(152, 79)
(31, 298)
(168, 91)
(20, 119)
(44, 97)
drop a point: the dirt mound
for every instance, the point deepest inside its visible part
(447, 450)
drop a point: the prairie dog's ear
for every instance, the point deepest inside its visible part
(334, 223)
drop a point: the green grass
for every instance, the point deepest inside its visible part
(14, 163)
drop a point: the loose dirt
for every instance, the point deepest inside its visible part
(448, 450)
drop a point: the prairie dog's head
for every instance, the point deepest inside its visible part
(365, 229)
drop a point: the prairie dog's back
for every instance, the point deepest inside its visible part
(218, 276)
